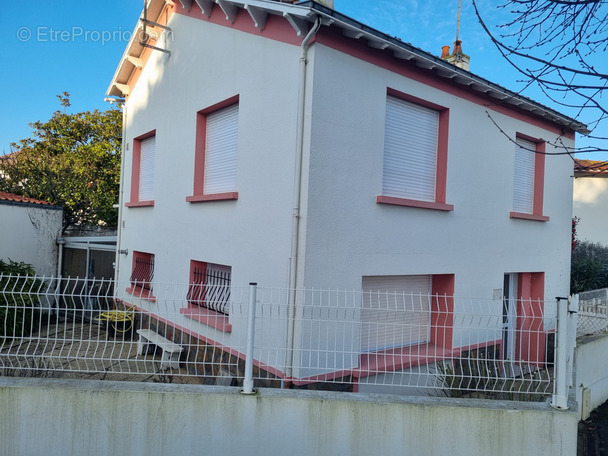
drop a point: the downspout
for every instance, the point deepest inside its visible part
(120, 195)
(295, 223)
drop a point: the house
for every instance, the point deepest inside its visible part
(289, 145)
(29, 229)
(591, 200)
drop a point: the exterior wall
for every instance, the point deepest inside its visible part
(590, 373)
(349, 235)
(101, 418)
(591, 206)
(344, 233)
(29, 233)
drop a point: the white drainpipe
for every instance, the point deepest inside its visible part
(119, 251)
(293, 264)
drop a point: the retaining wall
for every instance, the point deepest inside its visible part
(74, 417)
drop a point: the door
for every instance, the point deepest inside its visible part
(509, 325)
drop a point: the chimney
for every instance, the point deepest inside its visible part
(458, 58)
(328, 3)
(445, 51)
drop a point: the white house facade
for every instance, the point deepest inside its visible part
(288, 145)
(591, 200)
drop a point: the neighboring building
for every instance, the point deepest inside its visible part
(29, 229)
(289, 145)
(591, 200)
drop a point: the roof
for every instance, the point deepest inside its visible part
(590, 168)
(11, 198)
(302, 16)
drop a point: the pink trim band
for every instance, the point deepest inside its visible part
(208, 317)
(213, 197)
(380, 199)
(521, 215)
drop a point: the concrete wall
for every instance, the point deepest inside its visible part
(66, 417)
(591, 206)
(29, 233)
(591, 373)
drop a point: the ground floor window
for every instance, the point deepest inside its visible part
(209, 286)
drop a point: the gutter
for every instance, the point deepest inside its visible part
(295, 224)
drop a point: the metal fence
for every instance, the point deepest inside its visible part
(314, 339)
(593, 312)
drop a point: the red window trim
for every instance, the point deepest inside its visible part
(539, 183)
(208, 317)
(442, 158)
(137, 290)
(198, 195)
(135, 172)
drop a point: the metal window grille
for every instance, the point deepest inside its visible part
(143, 270)
(210, 287)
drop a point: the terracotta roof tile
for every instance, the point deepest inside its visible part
(21, 199)
(590, 167)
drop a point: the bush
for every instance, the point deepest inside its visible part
(589, 267)
(18, 299)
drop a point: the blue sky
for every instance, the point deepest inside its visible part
(51, 46)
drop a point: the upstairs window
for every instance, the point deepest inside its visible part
(528, 179)
(210, 286)
(415, 153)
(142, 171)
(216, 152)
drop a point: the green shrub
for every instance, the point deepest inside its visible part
(589, 267)
(18, 299)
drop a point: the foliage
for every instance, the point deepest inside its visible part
(18, 299)
(558, 46)
(575, 221)
(72, 160)
(589, 267)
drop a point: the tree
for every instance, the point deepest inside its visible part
(557, 45)
(72, 160)
(589, 267)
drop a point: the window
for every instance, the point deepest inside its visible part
(395, 311)
(210, 286)
(529, 179)
(406, 321)
(209, 294)
(216, 152)
(142, 274)
(142, 172)
(415, 153)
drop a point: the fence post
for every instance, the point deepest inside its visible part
(248, 380)
(564, 352)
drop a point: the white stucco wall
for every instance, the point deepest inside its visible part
(29, 233)
(344, 234)
(591, 206)
(102, 418)
(349, 235)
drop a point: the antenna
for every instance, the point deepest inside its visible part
(458, 22)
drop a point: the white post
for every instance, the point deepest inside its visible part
(248, 380)
(562, 342)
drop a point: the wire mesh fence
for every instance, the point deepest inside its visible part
(593, 312)
(385, 342)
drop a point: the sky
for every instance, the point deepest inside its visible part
(52, 46)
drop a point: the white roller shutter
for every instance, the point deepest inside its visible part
(523, 181)
(220, 150)
(410, 150)
(146, 169)
(395, 311)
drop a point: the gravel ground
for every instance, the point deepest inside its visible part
(593, 433)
